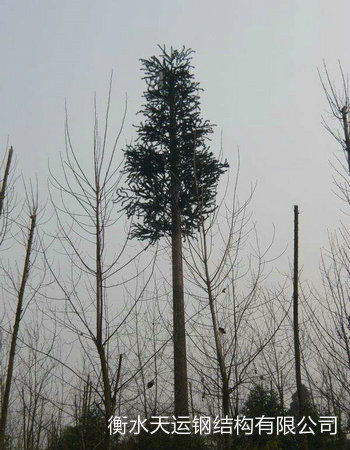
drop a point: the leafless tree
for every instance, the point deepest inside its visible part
(329, 310)
(35, 383)
(15, 284)
(339, 104)
(87, 220)
(232, 302)
(328, 313)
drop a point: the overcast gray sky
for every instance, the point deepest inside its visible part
(257, 61)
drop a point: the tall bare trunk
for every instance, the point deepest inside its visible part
(225, 392)
(18, 316)
(301, 400)
(107, 392)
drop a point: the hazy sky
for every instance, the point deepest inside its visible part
(257, 61)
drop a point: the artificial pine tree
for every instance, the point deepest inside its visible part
(171, 177)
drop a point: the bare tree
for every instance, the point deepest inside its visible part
(218, 274)
(17, 280)
(330, 311)
(339, 104)
(35, 383)
(87, 220)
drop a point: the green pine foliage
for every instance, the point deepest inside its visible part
(260, 402)
(316, 441)
(172, 144)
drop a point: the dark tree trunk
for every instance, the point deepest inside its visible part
(301, 400)
(5, 179)
(226, 404)
(180, 363)
(13, 344)
(107, 393)
(346, 133)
